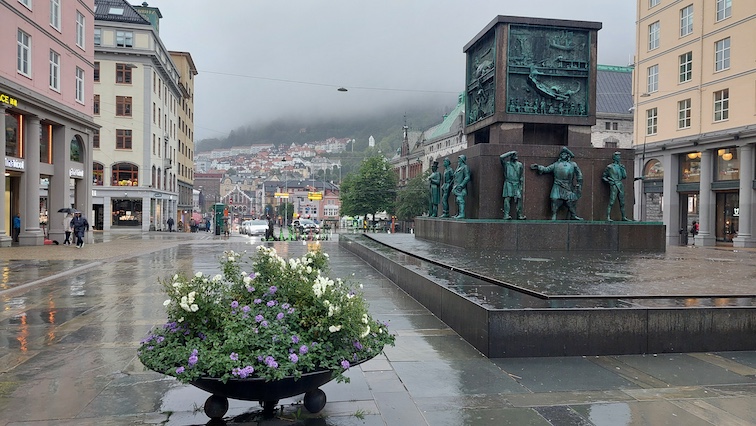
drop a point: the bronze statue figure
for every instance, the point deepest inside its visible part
(614, 174)
(461, 178)
(568, 183)
(446, 187)
(513, 183)
(435, 190)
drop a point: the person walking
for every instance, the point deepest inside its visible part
(170, 224)
(79, 225)
(16, 227)
(67, 227)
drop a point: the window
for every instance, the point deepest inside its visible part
(76, 150)
(97, 36)
(652, 118)
(123, 139)
(683, 114)
(96, 140)
(686, 67)
(652, 3)
(653, 79)
(45, 143)
(23, 54)
(54, 71)
(609, 125)
(690, 167)
(55, 14)
(124, 39)
(96, 105)
(727, 166)
(123, 73)
(80, 29)
(722, 54)
(26, 3)
(98, 173)
(96, 71)
(686, 20)
(653, 36)
(79, 85)
(115, 10)
(722, 105)
(724, 9)
(123, 106)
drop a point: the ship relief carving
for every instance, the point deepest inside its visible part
(481, 72)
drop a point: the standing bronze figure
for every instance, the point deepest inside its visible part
(568, 183)
(614, 174)
(435, 190)
(461, 178)
(513, 183)
(446, 187)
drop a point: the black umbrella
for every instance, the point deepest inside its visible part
(66, 210)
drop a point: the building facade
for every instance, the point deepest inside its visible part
(138, 99)
(695, 118)
(46, 113)
(185, 154)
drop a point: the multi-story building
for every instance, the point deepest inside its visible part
(185, 154)
(138, 99)
(695, 118)
(46, 114)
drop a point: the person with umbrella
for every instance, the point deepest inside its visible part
(79, 225)
(67, 227)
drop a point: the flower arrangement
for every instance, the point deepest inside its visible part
(283, 319)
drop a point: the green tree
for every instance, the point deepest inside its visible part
(370, 190)
(285, 210)
(412, 200)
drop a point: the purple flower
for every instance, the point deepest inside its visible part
(234, 304)
(271, 303)
(271, 362)
(293, 358)
(202, 336)
(245, 309)
(358, 345)
(303, 349)
(258, 301)
(234, 356)
(243, 372)
(179, 370)
(295, 339)
(345, 364)
(259, 318)
(264, 323)
(273, 289)
(160, 339)
(280, 316)
(193, 358)
(285, 306)
(291, 310)
(260, 358)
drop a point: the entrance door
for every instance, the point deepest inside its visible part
(727, 215)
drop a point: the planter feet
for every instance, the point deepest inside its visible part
(314, 400)
(269, 408)
(216, 406)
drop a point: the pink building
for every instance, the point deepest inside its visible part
(46, 85)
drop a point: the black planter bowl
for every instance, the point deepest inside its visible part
(266, 392)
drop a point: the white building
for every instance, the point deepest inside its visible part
(137, 100)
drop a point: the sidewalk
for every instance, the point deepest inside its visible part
(68, 340)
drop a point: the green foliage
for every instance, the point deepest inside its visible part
(284, 319)
(412, 200)
(286, 208)
(371, 189)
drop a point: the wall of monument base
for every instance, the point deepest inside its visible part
(530, 235)
(500, 333)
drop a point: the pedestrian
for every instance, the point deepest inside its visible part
(79, 225)
(67, 228)
(181, 226)
(170, 224)
(16, 227)
(694, 230)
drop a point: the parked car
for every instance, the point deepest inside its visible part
(305, 226)
(256, 227)
(243, 227)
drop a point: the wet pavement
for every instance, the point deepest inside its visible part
(71, 321)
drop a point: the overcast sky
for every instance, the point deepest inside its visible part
(260, 60)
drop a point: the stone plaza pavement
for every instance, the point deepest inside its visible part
(71, 321)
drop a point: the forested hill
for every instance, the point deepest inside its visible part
(385, 127)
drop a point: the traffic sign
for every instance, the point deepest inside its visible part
(315, 196)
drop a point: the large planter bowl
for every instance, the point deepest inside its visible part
(266, 392)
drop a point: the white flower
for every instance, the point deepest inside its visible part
(309, 269)
(361, 287)
(247, 279)
(194, 308)
(326, 255)
(175, 277)
(176, 285)
(364, 318)
(198, 275)
(230, 258)
(180, 319)
(167, 302)
(217, 278)
(334, 328)
(366, 332)
(350, 295)
(192, 295)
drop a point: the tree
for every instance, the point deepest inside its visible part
(412, 200)
(286, 211)
(370, 190)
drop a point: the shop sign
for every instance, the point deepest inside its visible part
(72, 172)
(14, 163)
(736, 212)
(158, 195)
(8, 100)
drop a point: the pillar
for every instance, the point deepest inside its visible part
(745, 226)
(31, 233)
(59, 190)
(671, 201)
(5, 239)
(707, 202)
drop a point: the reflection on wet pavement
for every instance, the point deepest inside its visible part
(68, 357)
